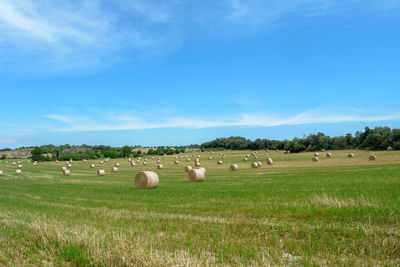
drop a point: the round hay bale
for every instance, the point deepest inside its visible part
(329, 154)
(210, 158)
(188, 160)
(146, 180)
(92, 166)
(203, 169)
(56, 161)
(14, 163)
(277, 150)
(138, 161)
(234, 167)
(18, 172)
(254, 165)
(70, 160)
(67, 172)
(176, 162)
(247, 156)
(117, 164)
(316, 155)
(372, 157)
(63, 168)
(1, 173)
(197, 163)
(259, 164)
(219, 162)
(245, 159)
(269, 161)
(19, 166)
(323, 150)
(158, 161)
(160, 166)
(350, 155)
(315, 159)
(101, 172)
(114, 169)
(144, 163)
(69, 166)
(101, 162)
(390, 149)
(35, 163)
(133, 164)
(188, 168)
(84, 160)
(197, 175)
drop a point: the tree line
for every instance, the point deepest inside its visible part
(379, 138)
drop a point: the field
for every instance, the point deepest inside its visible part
(337, 211)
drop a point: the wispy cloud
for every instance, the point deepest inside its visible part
(124, 122)
(90, 33)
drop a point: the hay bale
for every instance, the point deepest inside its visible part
(234, 167)
(138, 161)
(197, 163)
(247, 156)
(197, 175)
(188, 160)
(14, 163)
(117, 164)
(350, 155)
(277, 150)
(315, 159)
(69, 166)
(210, 158)
(316, 155)
(254, 165)
(245, 159)
(158, 161)
(144, 163)
(323, 150)
(188, 168)
(101, 172)
(92, 166)
(390, 149)
(176, 162)
(146, 180)
(63, 168)
(19, 166)
(160, 166)
(259, 164)
(35, 163)
(372, 157)
(1, 173)
(18, 171)
(329, 154)
(70, 160)
(101, 162)
(133, 164)
(203, 169)
(67, 172)
(219, 162)
(56, 161)
(269, 161)
(84, 160)
(114, 169)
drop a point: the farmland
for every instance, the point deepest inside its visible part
(337, 211)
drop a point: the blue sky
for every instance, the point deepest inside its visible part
(181, 72)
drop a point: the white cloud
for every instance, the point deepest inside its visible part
(90, 33)
(113, 122)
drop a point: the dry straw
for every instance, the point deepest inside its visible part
(350, 155)
(234, 167)
(329, 154)
(254, 165)
(188, 168)
(315, 159)
(372, 157)
(18, 172)
(101, 172)
(197, 163)
(1, 173)
(269, 161)
(117, 164)
(144, 163)
(114, 169)
(390, 149)
(177, 162)
(160, 166)
(197, 175)
(245, 159)
(316, 155)
(133, 164)
(92, 166)
(146, 180)
(210, 158)
(67, 172)
(219, 162)
(259, 164)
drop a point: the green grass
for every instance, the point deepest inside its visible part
(337, 211)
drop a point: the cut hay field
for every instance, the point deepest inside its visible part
(337, 211)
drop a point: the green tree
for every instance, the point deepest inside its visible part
(36, 154)
(126, 151)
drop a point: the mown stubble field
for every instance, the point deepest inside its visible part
(337, 211)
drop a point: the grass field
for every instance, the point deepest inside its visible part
(337, 211)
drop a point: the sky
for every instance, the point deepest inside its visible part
(146, 72)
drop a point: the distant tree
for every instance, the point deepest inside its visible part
(126, 151)
(37, 154)
(4, 156)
